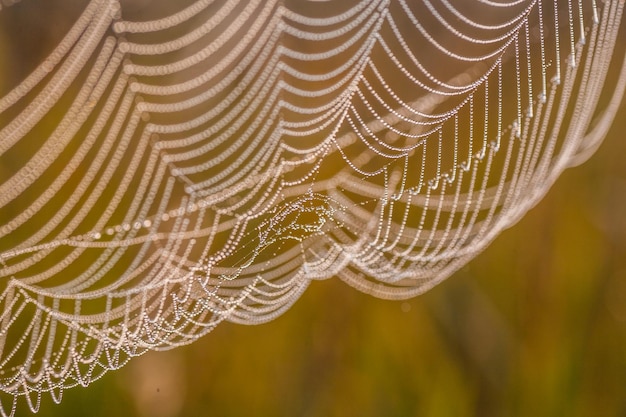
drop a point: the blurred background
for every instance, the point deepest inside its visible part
(534, 326)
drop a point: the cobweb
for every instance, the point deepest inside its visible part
(158, 177)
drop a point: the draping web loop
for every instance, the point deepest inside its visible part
(158, 177)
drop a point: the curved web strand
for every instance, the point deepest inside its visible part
(158, 177)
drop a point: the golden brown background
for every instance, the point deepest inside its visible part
(535, 326)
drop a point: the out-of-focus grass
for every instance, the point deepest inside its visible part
(535, 326)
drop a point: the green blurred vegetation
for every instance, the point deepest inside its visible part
(535, 326)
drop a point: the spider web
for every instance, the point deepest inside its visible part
(158, 177)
